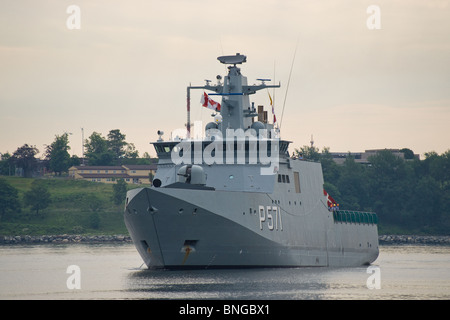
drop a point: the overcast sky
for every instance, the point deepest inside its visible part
(129, 64)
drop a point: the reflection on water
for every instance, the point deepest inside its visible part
(116, 272)
(230, 283)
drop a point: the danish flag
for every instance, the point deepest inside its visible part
(330, 200)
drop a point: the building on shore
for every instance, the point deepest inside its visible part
(363, 157)
(136, 174)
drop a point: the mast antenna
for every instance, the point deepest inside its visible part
(287, 86)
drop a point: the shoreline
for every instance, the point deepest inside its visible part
(92, 239)
(64, 239)
(413, 239)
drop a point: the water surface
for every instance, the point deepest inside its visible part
(115, 271)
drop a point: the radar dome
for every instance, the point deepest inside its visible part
(258, 126)
(211, 125)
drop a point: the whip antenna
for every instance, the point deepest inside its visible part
(287, 86)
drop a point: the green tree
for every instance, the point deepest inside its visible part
(24, 158)
(146, 155)
(97, 151)
(445, 187)
(113, 150)
(117, 144)
(390, 180)
(308, 153)
(9, 199)
(74, 161)
(119, 191)
(439, 167)
(353, 186)
(431, 198)
(424, 207)
(131, 152)
(57, 154)
(408, 153)
(38, 198)
(6, 167)
(330, 169)
(121, 149)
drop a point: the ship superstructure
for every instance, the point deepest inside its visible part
(235, 198)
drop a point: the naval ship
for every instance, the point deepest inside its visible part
(235, 198)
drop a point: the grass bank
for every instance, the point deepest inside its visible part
(77, 207)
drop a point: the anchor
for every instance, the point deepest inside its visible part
(188, 250)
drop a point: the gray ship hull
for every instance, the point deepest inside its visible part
(184, 228)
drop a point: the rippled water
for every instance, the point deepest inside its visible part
(116, 272)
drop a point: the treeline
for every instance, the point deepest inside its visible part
(408, 195)
(106, 151)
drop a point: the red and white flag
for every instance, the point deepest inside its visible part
(330, 200)
(209, 103)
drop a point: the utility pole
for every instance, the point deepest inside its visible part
(82, 146)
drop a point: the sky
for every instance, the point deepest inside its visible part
(357, 79)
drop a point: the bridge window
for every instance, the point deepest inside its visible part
(283, 178)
